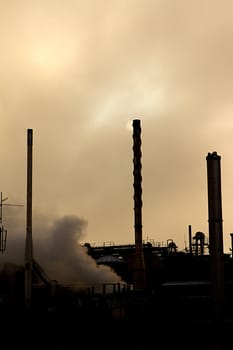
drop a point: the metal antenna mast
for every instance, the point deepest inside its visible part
(3, 232)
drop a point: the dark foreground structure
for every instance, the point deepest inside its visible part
(166, 298)
(177, 309)
(175, 321)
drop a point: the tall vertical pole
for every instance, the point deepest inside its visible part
(190, 240)
(28, 244)
(139, 258)
(231, 234)
(216, 233)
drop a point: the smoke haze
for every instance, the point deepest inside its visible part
(78, 72)
(58, 251)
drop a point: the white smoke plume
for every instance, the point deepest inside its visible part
(58, 250)
(66, 260)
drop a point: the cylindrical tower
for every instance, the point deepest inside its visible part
(190, 240)
(28, 243)
(139, 278)
(215, 232)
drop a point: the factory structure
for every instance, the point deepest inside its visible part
(160, 287)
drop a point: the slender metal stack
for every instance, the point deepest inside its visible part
(139, 278)
(29, 243)
(215, 232)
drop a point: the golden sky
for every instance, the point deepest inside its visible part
(77, 73)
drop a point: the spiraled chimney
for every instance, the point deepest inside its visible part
(139, 273)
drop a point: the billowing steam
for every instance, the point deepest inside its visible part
(66, 260)
(58, 251)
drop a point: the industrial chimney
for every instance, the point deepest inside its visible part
(139, 273)
(215, 232)
(28, 243)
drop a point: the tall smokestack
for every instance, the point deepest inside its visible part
(28, 244)
(215, 232)
(190, 240)
(139, 257)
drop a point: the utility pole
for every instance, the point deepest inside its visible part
(28, 243)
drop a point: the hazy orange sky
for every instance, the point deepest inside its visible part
(77, 73)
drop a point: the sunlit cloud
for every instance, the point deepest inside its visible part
(79, 72)
(51, 59)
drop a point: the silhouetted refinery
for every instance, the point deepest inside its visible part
(148, 285)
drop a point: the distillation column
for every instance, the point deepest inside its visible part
(139, 273)
(28, 243)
